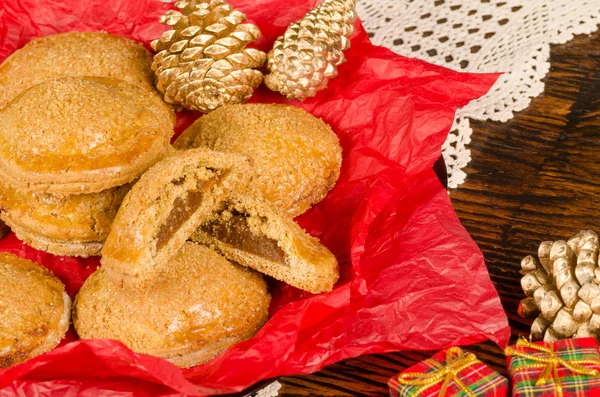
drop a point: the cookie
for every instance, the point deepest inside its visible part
(75, 54)
(199, 306)
(82, 135)
(297, 157)
(254, 233)
(75, 218)
(34, 310)
(58, 247)
(164, 208)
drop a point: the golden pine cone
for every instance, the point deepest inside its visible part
(306, 57)
(202, 62)
(564, 286)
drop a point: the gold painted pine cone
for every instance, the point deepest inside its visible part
(306, 57)
(202, 62)
(563, 287)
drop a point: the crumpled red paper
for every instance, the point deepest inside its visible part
(412, 278)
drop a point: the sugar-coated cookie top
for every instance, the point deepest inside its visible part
(196, 302)
(34, 309)
(297, 156)
(75, 54)
(82, 134)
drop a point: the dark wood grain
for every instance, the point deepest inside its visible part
(534, 178)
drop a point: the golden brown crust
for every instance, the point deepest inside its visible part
(164, 208)
(306, 264)
(34, 310)
(74, 218)
(198, 306)
(82, 135)
(297, 157)
(57, 247)
(75, 54)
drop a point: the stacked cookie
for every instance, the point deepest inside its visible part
(79, 121)
(86, 168)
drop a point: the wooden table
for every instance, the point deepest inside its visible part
(534, 178)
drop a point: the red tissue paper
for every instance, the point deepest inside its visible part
(411, 277)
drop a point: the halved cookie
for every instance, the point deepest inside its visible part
(74, 218)
(164, 208)
(75, 54)
(254, 233)
(34, 310)
(196, 308)
(297, 157)
(82, 135)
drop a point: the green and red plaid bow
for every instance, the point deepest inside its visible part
(566, 368)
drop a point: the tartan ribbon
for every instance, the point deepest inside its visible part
(550, 363)
(456, 361)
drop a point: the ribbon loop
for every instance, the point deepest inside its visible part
(456, 361)
(550, 363)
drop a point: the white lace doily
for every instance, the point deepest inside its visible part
(510, 36)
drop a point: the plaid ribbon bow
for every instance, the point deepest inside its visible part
(456, 361)
(550, 364)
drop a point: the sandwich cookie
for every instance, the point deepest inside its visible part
(196, 308)
(34, 310)
(74, 225)
(297, 157)
(82, 135)
(75, 54)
